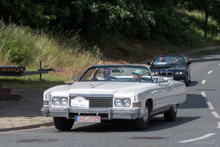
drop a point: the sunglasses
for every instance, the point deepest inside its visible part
(106, 73)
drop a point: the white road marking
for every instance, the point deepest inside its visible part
(210, 105)
(203, 94)
(199, 138)
(210, 71)
(215, 114)
(203, 81)
(218, 124)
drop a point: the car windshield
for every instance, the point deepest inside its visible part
(117, 74)
(169, 61)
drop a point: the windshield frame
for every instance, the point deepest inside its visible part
(164, 56)
(114, 66)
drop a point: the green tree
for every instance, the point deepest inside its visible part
(33, 13)
(207, 6)
(128, 17)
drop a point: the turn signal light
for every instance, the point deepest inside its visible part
(136, 104)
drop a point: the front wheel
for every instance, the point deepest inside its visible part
(189, 78)
(62, 123)
(187, 81)
(170, 115)
(141, 123)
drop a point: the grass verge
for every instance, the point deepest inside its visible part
(20, 45)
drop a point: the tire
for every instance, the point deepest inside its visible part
(141, 123)
(187, 81)
(189, 78)
(62, 123)
(171, 114)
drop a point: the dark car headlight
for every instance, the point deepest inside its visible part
(155, 73)
(179, 73)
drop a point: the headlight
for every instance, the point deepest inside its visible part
(64, 101)
(56, 101)
(155, 73)
(179, 73)
(122, 102)
(118, 102)
(127, 102)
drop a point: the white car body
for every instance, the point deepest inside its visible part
(98, 98)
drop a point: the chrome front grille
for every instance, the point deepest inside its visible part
(96, 100)
(100, 102)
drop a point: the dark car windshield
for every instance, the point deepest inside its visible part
(169, 61)
(117, 73)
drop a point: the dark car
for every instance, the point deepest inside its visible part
(171, 66)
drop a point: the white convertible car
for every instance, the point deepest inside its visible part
(114, 92)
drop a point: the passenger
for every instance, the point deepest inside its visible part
(178, 61)
(137, 75)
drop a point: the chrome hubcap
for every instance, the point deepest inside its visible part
(174, 109)
(145, 117)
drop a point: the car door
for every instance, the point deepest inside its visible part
(162, 102)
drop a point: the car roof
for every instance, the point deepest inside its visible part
(169, 55)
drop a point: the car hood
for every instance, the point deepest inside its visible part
(127, 88)
(170, 68)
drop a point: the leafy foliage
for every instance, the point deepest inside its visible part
(210, 7)
(34, 13)
(94, 19)
(128, 17)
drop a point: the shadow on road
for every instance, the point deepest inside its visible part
(194, 101)
(155, 124)
(193, 83)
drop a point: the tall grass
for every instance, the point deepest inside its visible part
(20, 45)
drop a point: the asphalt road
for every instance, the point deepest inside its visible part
(197, 123)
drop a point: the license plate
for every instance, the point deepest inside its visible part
(87, 119)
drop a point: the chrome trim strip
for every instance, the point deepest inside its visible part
(92, 95)
(112, 114)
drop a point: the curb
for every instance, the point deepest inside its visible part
(26, 127)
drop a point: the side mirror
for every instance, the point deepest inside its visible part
(188, 63)
(75, 79)
(160, 79)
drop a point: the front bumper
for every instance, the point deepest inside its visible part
(105, 113)
(181, 78)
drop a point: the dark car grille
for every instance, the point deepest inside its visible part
(166, 73)
(97, 100)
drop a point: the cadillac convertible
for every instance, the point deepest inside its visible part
(114, 92)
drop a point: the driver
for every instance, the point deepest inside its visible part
(158, 60)
(105, 72)
(137, 75)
